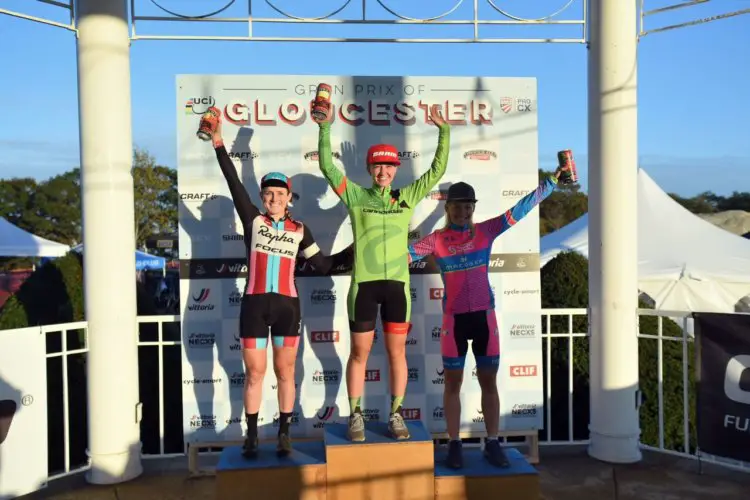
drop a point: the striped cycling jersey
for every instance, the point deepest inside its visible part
(463, 254)
(273, 246)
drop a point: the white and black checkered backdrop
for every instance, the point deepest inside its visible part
(267, 128)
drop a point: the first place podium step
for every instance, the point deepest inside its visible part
(380, 467)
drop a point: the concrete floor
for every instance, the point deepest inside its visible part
(564, 475)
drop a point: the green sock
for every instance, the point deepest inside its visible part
(354, 404)
(396, 402)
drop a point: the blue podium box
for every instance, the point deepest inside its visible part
(479, 480)
(300, 475)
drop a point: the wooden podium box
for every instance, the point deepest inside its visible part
(301, 475)
(478, 480)
(380, 468)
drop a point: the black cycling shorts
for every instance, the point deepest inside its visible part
(394, 299)
(481, 328)
(261, 312)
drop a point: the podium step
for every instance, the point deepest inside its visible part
(478, 480)
(301, 475)
(380, 467)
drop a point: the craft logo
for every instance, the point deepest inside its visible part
(322, 296)
(325, 415)
(441, 194)
(523, 371)
(198, 196)
(478, 417)
(413, 374)
(522, 331)
(523, 410)
(480, 155)
(372, 375)
(199, 301)
(202, 381)
(317, 337)
(243, 155)
(371, 415)
(233, 237)
(199, 105)
(436, 293)
(326, 377)
(201, 340)
(438, 413)
(515, 193)
(408, 155)
(203, 421)
(411, 413)
(437, 333)
(312, 156)
(294, 419)
(235, 298)
(440, 379)
(506, 104)
(237, 379)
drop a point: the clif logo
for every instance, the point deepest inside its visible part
(372, 376)
(523, 371)
(320, 337)
(411, 413)
(436, 293)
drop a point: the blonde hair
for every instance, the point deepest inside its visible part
(447, 223)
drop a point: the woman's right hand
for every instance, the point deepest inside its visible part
(216, 137)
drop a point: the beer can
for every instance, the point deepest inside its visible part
(322, 103)
(565, 159)
(209, 120)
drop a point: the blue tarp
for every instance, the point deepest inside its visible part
(143, 261)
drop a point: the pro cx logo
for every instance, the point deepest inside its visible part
(733, 379)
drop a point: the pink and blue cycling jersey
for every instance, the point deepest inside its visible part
(463, 255)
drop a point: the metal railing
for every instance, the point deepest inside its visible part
(674, 344)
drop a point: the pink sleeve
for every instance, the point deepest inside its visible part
(422, 248)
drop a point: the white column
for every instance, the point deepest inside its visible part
(613, 249)
(108, 239)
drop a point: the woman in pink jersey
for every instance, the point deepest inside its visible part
(462, 251)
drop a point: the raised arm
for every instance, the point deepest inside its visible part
(498, 225)
(324, 264)
(417, 190)
(342, 186)
(422, 248)
(245, 208)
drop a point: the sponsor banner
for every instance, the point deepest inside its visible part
(267, 127)
(723, 378)
(23, 412)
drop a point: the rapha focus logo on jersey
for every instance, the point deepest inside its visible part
(275, 241)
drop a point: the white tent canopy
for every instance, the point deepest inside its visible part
(684, 262)
(15, 242)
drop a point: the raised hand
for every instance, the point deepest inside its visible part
(436, 115)
(216, 137)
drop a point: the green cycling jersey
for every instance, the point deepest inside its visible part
(380, 216)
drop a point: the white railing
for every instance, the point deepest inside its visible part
(661, 336)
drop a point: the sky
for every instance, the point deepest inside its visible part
(693, 95)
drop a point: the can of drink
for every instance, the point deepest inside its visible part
(209, 120)
(565, 159)
(322, 103)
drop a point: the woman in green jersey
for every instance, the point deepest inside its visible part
(380, 218)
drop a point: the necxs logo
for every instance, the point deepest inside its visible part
(199, 105)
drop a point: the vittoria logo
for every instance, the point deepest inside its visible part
(480, 155)
(199, 300)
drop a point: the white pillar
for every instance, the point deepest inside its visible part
(108, 239)
(613, 250)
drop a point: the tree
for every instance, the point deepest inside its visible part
(563, 206)
(155, 197)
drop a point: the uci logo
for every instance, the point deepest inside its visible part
(733, 377)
